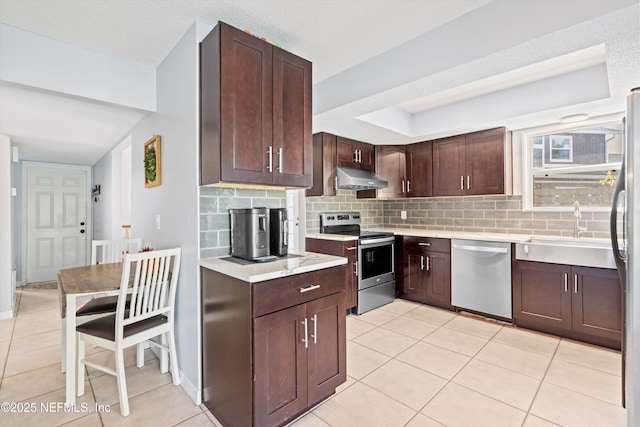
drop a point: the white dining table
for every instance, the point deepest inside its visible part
(78, 282)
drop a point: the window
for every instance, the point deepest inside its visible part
(564, 164)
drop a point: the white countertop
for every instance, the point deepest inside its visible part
(492, 237)
(261, 271)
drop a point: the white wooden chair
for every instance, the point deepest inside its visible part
(102, 252)
(150, 315)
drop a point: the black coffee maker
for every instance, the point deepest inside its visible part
(279, 232)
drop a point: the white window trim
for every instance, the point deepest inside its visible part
(526, 168)
(551, 149)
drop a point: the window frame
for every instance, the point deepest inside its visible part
(552, 149)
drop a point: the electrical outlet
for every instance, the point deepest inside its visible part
(403, 214)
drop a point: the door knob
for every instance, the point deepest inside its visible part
(82, 223)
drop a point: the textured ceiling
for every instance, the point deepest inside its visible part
(420, 62)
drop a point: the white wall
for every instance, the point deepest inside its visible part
(176, 199)
(7, 292)
(102, 220)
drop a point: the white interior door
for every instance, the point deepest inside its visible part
(56, 214)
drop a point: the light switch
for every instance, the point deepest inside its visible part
(157, 221)
(403, 214)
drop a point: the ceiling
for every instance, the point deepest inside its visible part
(384, 71)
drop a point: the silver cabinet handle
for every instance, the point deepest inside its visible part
(428, 263)
(352, 248)
(314, 319)
(359, 156)
(424, 244)
(403, 185)
(461, 182)
(280, 160)
(575, 283)
(408, 186)
(305, 340)
(309, 288)
(355, 156)
(421, 262)
(285, 233)
(270, 153)
(356, 268)
(566, 282)
(468, 182)
(335, 182)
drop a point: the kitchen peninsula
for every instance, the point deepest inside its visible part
(273, 336)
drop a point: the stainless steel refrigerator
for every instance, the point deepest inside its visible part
(625, 214)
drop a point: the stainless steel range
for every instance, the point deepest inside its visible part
(376, 259)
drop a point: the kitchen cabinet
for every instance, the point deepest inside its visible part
(347, 249)
(273, 349)
(324, 165)
(355, 154)
(426, 271)
(472, 164)
(407, 169)
(255, 108)
(581, 303)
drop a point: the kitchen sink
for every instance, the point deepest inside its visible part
(567, 250)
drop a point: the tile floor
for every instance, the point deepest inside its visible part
(408, 365)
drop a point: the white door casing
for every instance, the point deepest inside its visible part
(56, 213)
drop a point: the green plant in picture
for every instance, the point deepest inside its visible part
(150, 163)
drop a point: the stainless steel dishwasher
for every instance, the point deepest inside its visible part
(481, 276)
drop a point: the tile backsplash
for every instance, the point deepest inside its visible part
(215, 202)
(490, 214)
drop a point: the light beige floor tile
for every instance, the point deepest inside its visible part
(4, 349)
(434, 359)
(525, 362)
(600, 358)
(49, 315)
(501, 384)
(591, 382)
(456, 406)
(107, 357)
(474, 326)
(410, 327)
(166, 405)
(429, 314)
(200, 420)
(209, 415)
(308, 420)
(570, 409)
(23, 362)
(348, 383)
(54, 414)
(25, 329)
(527, 340)
(357, 327)
(377, 317)
(533, 421)
(385, 341)
(459, 342)
(32, 383)
(362, 360)
(421, 420)
(6, 329)
(400, 306)
(35, 342)
(405, 383)
(91, 420)
(139, 380)
(361, 405)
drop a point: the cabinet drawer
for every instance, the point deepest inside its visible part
(277, 294)
(427, 243)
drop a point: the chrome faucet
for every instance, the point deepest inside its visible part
(576, 226)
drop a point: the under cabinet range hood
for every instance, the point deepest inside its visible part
(356, 179)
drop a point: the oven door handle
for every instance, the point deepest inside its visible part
(367, 242)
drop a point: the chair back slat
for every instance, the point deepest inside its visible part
(151, 277)
(108, 251)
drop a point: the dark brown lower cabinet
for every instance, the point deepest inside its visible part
(581, 303)
(270, 351)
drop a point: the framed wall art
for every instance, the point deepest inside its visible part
(152, 170)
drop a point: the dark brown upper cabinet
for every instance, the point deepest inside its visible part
(355, 154)
(255, 108)
(407, 169)
(472, 164)
(324, 165)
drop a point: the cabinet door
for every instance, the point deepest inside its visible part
(292, 143)
(597, 302)
(414, 280)
(355, 154)
(366, 156)
(438, 283)
(246, 109)
(419, 170)
(280, 365)
(391, 166)
(449, 166)
(485, 158)
(324, 165)
(327, 346)
(541, 296)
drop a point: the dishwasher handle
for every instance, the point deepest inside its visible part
(481, 249)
